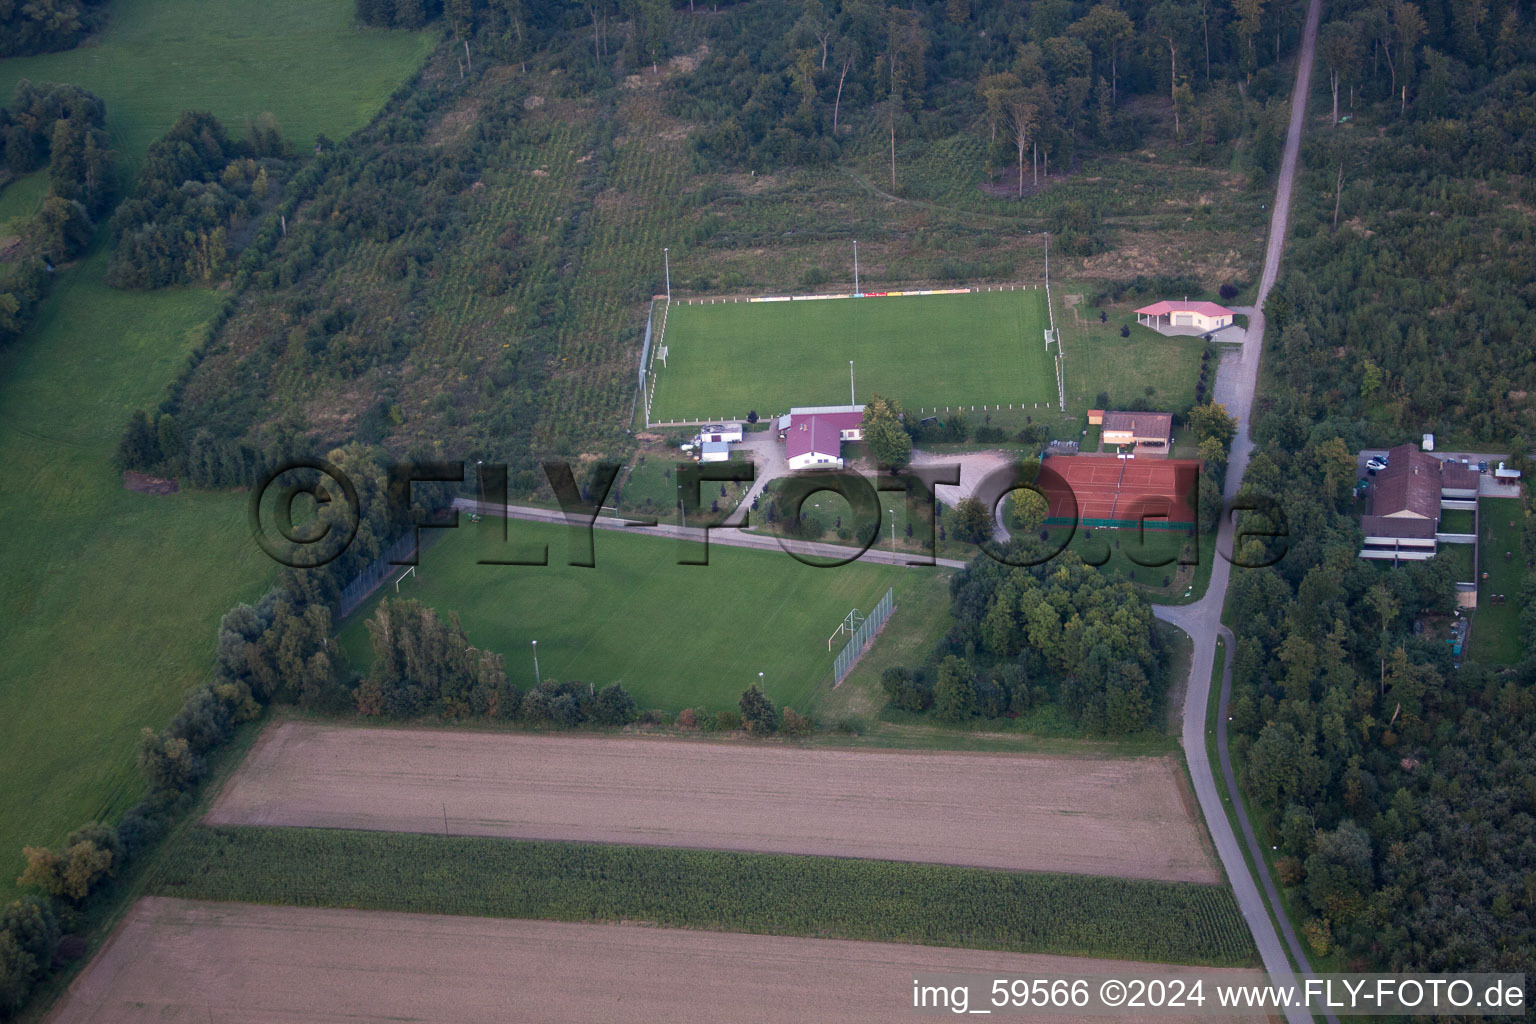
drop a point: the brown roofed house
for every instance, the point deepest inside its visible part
(1397, 528)
(1409, 487)
(1458, 476)
(1143, 429)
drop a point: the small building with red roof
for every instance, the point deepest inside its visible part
(1201, 316)
(814, 435)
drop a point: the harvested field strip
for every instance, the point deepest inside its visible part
(882, 901)
(181, 960)
(1122, 816)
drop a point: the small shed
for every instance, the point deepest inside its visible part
(1141, 429)
(714, 451)
(729, 433)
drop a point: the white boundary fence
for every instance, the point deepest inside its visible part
(1053, 334)
(655, 339)
(849, 655)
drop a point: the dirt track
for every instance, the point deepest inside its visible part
(1016, 812)
(178, 960)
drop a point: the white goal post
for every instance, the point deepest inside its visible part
(850, 622)
(410, 570)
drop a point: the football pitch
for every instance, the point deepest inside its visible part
(726, 359)
(675, 635)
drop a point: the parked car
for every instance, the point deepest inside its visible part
(1482, 467)
(1374, 463)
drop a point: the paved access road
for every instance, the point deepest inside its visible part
(1202, 619)
(728, 536)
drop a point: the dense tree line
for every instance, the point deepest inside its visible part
(45, 26)
(424, 664)
(62, 126)
(1412, 309)
(510, 27)
(1060, 633)
(195, 191)
(29, 943)
(798, 83)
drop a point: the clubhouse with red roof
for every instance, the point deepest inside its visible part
(1200, 316)
(814, 435)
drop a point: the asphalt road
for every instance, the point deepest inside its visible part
(728, 536)
(1202, 619)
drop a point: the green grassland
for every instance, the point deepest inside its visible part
(675, 635)
(724, 360)
(111, 597)
(1099, 360)
(304, 61)
(1160, 554)
(21, 198)
(648, 487)
(1460, 558)
(929, 904)
(1457, 520)
(1496, 627)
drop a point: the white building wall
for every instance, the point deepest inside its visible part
(815, 460)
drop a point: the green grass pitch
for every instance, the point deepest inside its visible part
(675, 635)
(927, 351)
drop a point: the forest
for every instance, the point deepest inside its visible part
(1412, 307)
(1394, 779)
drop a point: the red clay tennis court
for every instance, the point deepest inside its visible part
(1105, 491)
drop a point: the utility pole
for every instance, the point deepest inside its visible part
(537, 679)
(666, 262)
(851, 399)
(855, 267)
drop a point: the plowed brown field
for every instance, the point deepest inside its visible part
(179, 960)
(1123, 817)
